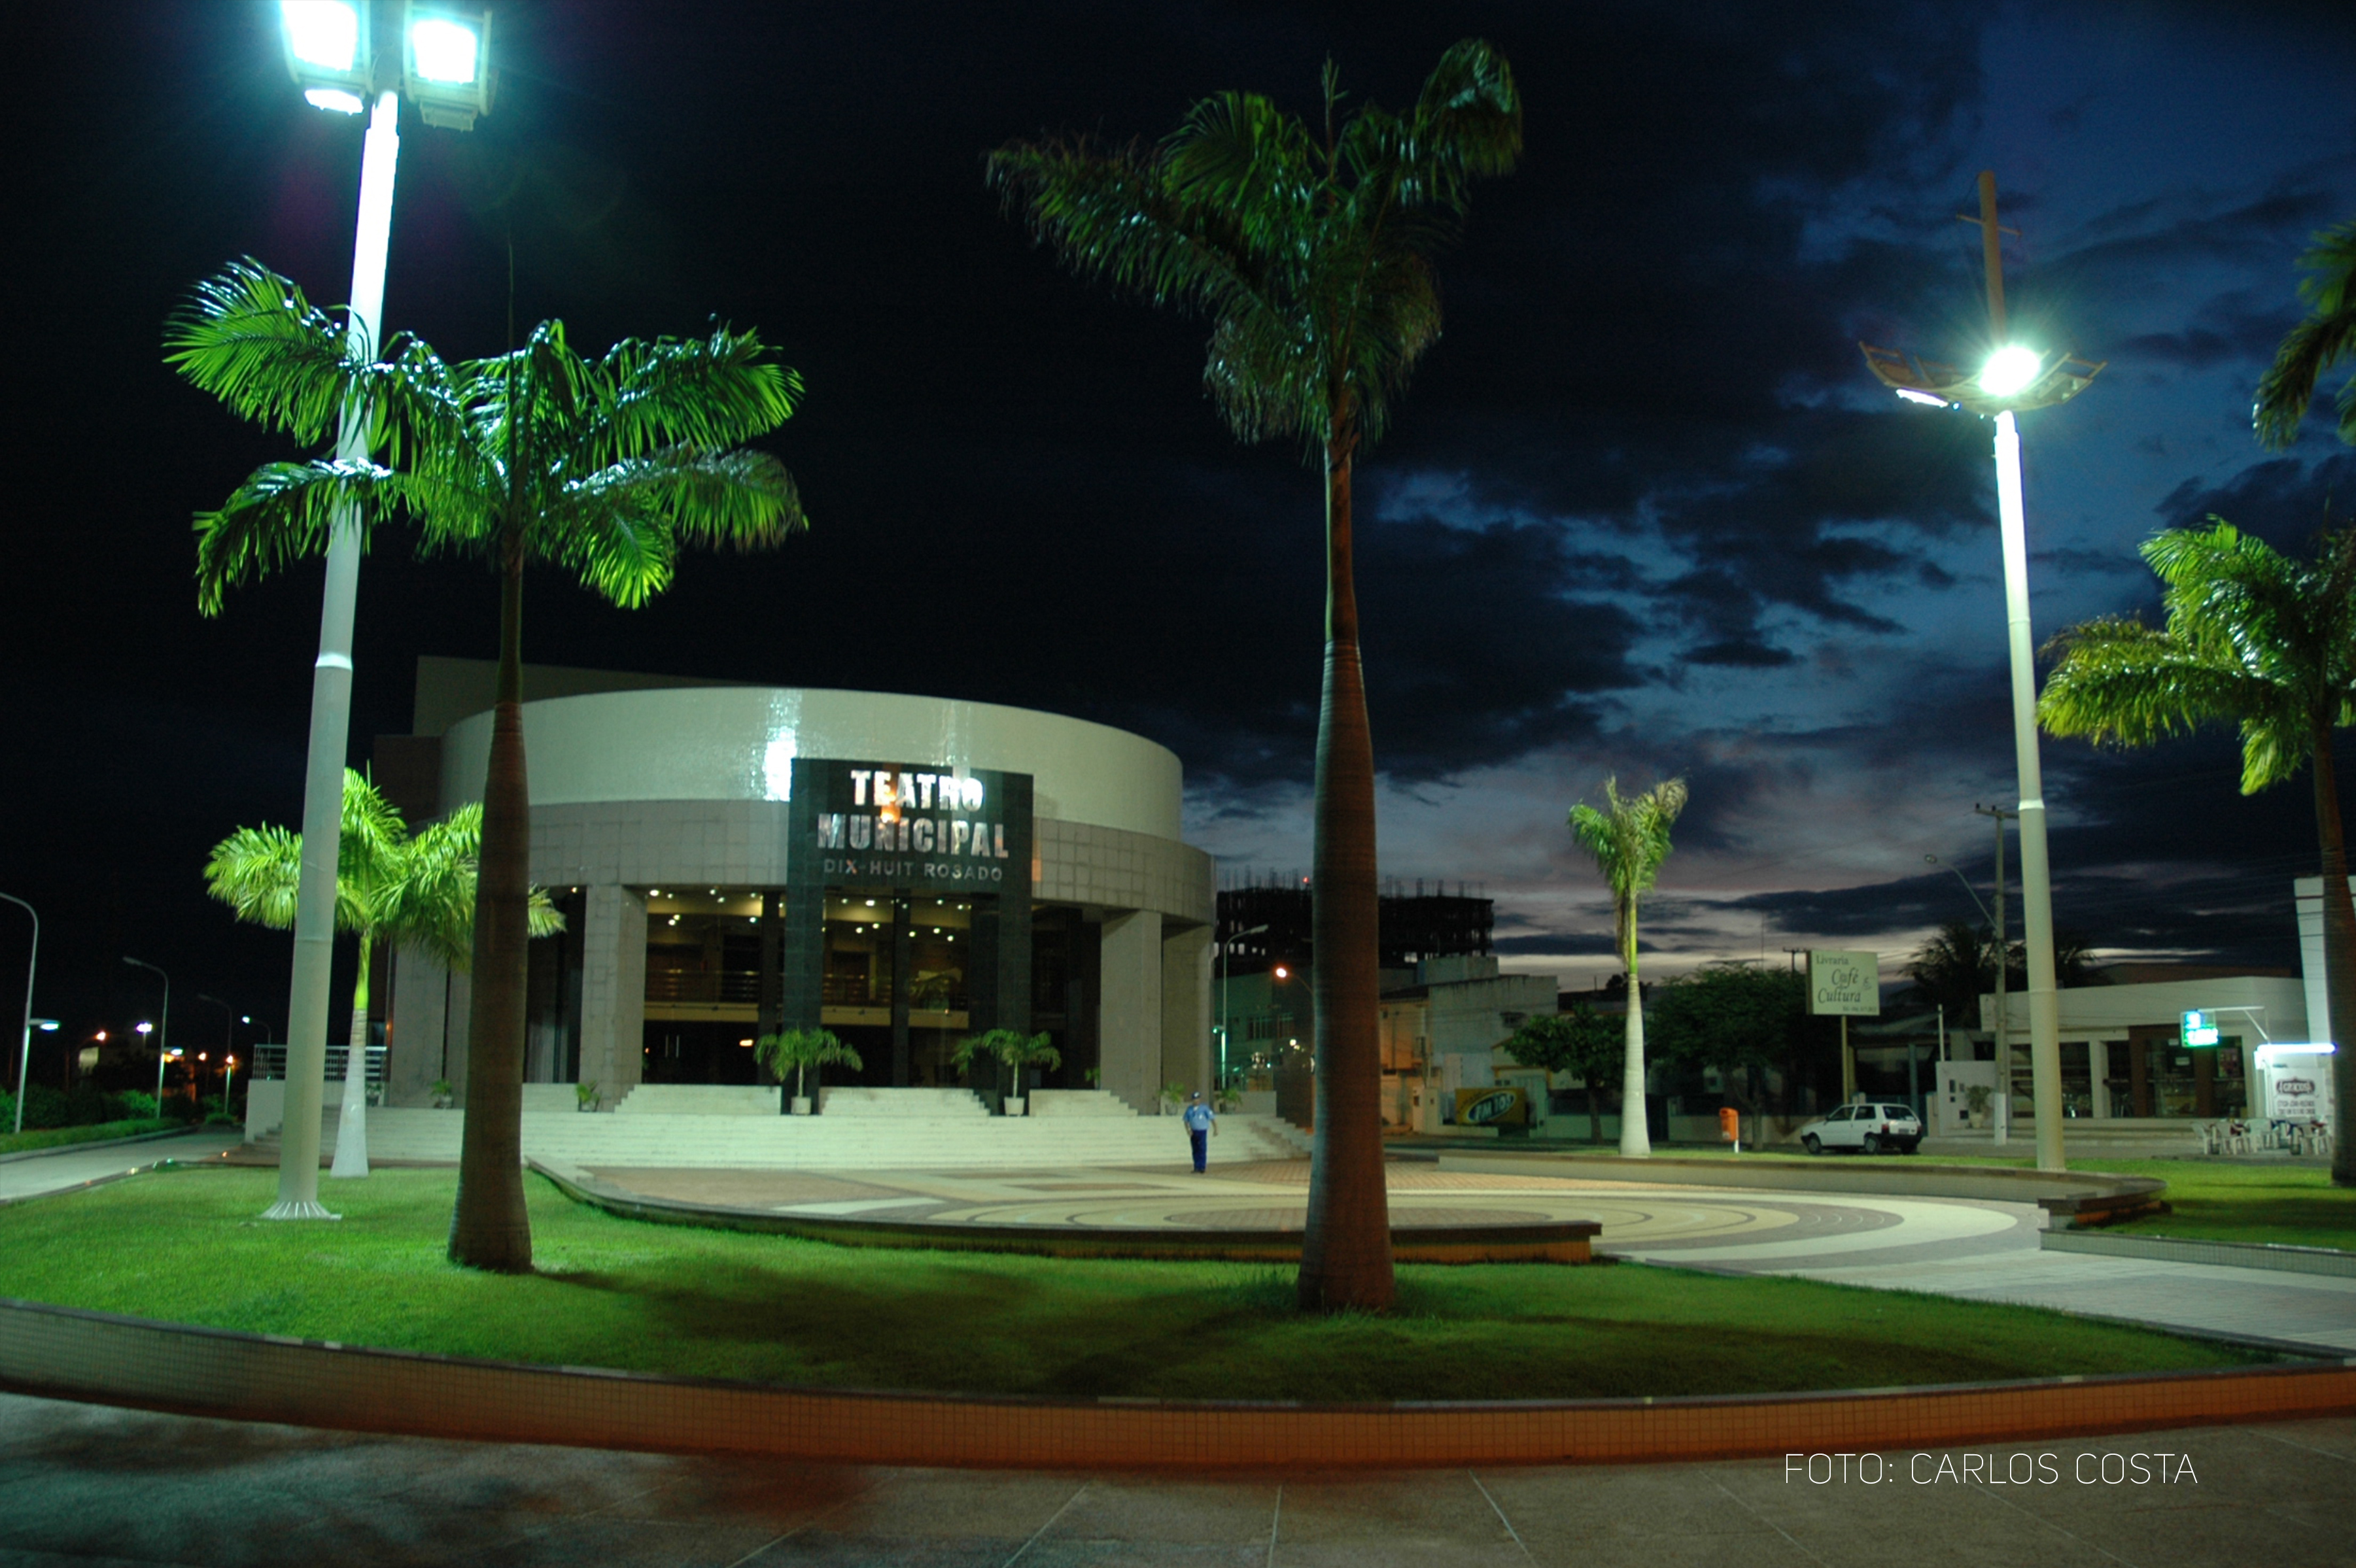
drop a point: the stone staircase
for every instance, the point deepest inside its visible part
(833, 1141)
(695, 1100)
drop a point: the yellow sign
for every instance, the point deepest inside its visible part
(1492, 1107)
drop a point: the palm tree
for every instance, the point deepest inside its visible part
(602, 467)
(2326, 337)
(2255, 638)
(801, 1049)
(391, 885)
(1954, 968)
(1311, 253)
(1629, 839)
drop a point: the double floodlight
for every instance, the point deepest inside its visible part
(444, 57)
(2014, 380)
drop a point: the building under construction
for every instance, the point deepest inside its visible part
(1415, 927)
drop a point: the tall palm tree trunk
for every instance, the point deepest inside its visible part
(1635, 1131)
(351, 1125)
(488, 1228)
(2338, 953)
(1345, 1253)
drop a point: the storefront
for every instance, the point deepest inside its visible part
(902, 871)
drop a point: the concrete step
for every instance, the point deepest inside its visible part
(696, 1099)
(821, 1143)
(929, 1104)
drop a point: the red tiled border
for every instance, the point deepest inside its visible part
(65, 1352)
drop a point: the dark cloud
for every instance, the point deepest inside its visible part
(2284, 501)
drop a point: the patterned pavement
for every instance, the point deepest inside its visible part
(1969, 1248)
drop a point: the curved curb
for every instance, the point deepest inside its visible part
(1539, 1241)
(2058, 1192)
(65, 1352)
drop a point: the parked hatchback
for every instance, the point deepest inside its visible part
(1867, 1128)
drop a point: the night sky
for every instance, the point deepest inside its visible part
(1643, 510)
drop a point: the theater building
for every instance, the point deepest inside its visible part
(902, 871)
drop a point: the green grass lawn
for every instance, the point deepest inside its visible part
(61, 1137)
(2289, 1205)
(186, 1245)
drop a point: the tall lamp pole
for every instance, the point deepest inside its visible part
(330, 54)
(25, 1042)
(2015, 378)
(162, 1026)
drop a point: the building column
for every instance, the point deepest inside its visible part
(413, 1029)
(1128, 1008)
(613, 989)
(1187, 1007)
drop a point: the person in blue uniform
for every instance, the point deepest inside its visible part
(1201, 1123)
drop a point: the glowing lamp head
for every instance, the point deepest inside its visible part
(333, 100)
(443, 50)
(325, 34)
(145, 1027)
(2009, 370)
(1282, 973)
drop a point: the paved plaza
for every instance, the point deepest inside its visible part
(97, 1488)
(1973, 1248)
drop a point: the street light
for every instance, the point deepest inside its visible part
(329, 47)
(25, 1042)
(164, 1034)
(1226, 1023)
(2015, 378)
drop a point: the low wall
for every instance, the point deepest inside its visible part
(66, 1353)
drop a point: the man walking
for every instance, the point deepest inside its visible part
(1201, 1123)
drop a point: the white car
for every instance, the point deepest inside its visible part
(1867, 1128)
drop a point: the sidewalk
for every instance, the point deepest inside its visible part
(89, 1485)
(59, 1171)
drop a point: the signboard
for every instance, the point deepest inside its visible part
(931, 828)
(2200, 1029)
(2294, 1087)
(1846, 984)
(1492, 1107)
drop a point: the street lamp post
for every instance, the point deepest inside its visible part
(2015, 378)
(164, 1032)
(25, 1042)
(445, 69)
(1226, 1022)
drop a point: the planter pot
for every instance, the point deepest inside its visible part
(1015, 1104)
(800, 1104)
(444, 1102)
(586, 1105)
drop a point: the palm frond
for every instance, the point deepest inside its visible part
(285, 512)
(2316, 344)
(706, 393)
(257, 871)
(250, 338)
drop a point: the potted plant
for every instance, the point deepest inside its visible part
(1013, 1050)
(584, 1094)
(444, 1096)
(1976, 1100)
(801, 1049)
(1226, 1101)
(1172, 1096)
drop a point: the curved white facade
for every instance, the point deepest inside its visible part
(739, 743)
(655, 804)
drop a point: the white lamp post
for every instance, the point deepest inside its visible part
(164, 1030)
(1226, 1023)
(2015, 377)
(445, 67)
(25, 1044)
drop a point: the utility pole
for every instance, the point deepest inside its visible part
(2003, 968)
